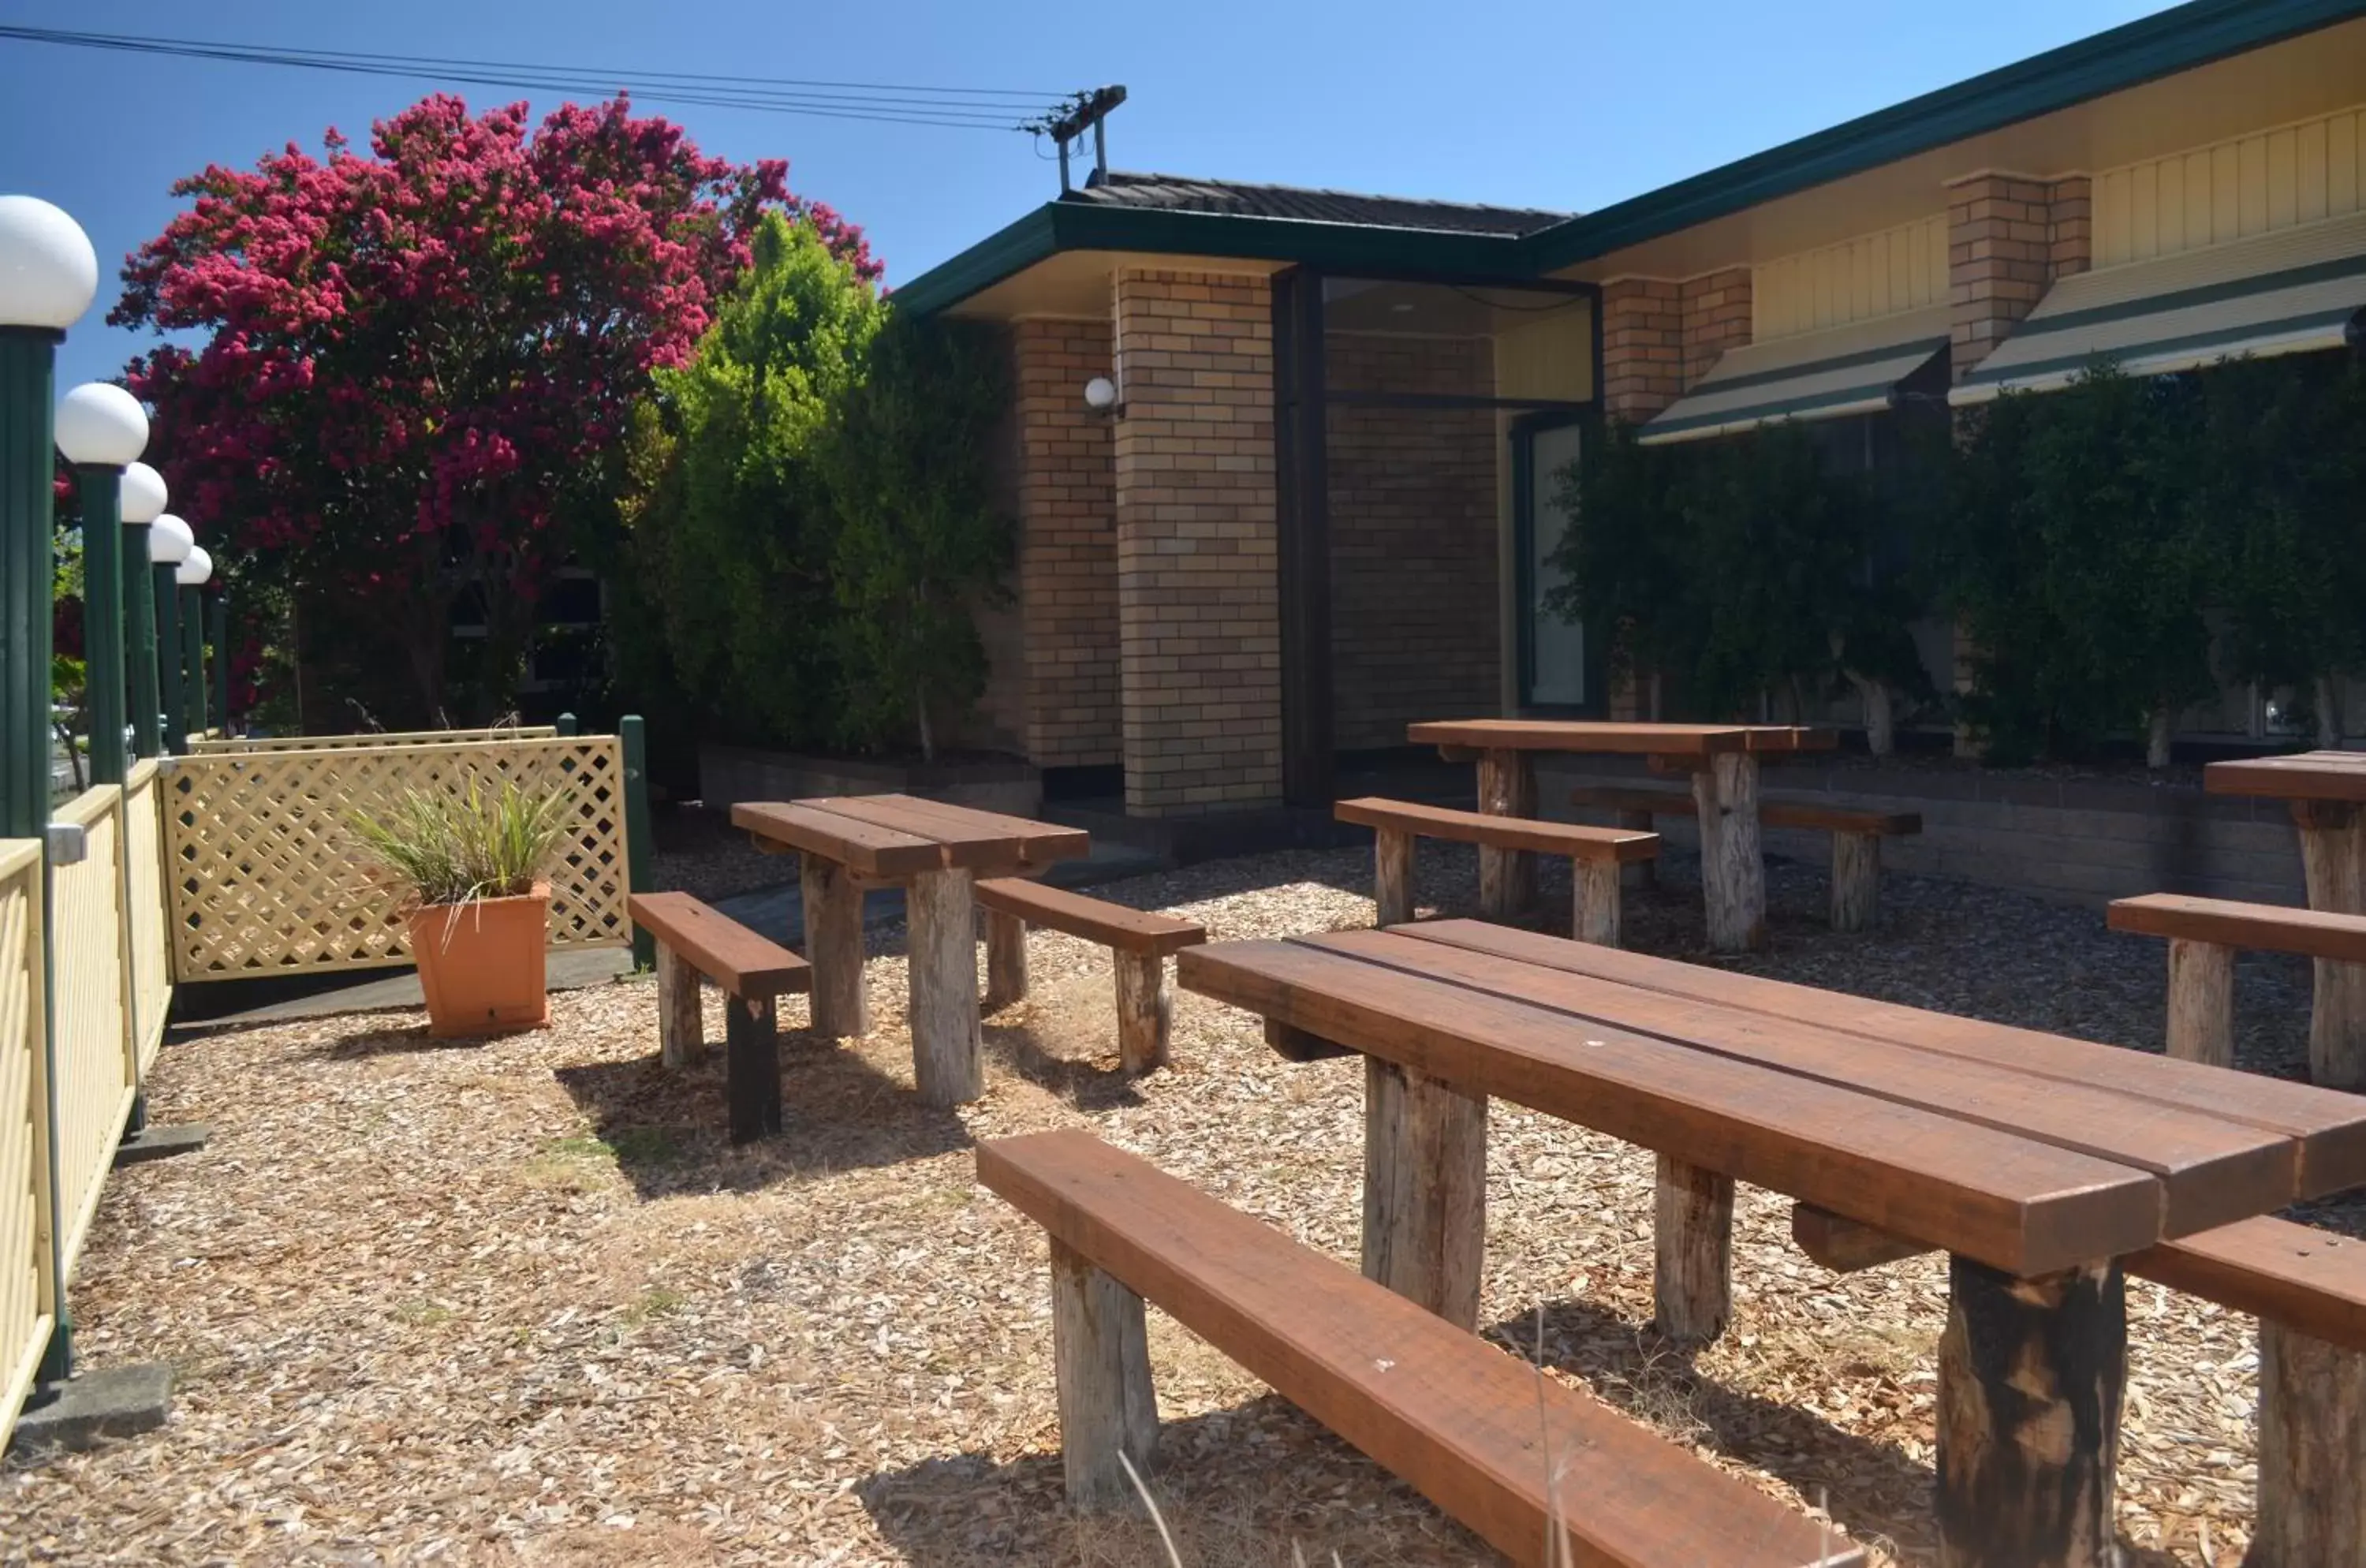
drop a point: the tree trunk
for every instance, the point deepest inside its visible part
(2328, 711)
(920, 711)
(1880, 713)
(2157, 733)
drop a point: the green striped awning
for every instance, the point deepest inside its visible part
(1818, 375)
(2290, 292)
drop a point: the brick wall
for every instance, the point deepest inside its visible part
(1643, 346)
(1066, 497)
(1717, 317)
(1199, 632)
(2008, 238)
(1412, 504)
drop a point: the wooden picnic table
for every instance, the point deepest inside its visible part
(935, 853)
(1722, 758)
(2036, 1162)
(2328, 794)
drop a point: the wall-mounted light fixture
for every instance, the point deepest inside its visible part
(1100, 396)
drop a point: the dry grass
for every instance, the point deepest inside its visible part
(520, 1302)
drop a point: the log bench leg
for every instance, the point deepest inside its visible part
(1733, 871)
(2333, 862)
(1006, 960)
(1595, 885)
(1392, 850)
(752, 1067)
(1856, 881)
(1692, 1272)
(833, 922)
(2200, 1002)
(682, 1033)
(1144, 1011)
(1101, 1361)
(948, 1065)
(1507, 878)
(2311, 1508)
(1425, 1190)
(1641, 873)
(2029, 1377)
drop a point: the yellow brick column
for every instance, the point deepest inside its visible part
(1198, 618)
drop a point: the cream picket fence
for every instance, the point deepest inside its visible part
(93, 1051)
(27, 1313)
(263, 872)
(211, 743)
(144, 908)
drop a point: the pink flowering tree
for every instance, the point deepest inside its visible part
(420, 360)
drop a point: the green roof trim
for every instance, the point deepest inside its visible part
(2144, 51)
(2181, 39)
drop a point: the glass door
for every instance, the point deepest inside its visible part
(1554, 671)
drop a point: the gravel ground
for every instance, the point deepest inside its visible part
(519, 1302)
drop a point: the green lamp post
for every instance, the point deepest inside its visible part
(191, 576)
(143, 497)
(217, 633)
(169, 544)
(102, 430)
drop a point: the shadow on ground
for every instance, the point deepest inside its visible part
(667, 1127)
(391, 1039)
(1872, 1489)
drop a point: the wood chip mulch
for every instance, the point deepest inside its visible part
(519, 1300)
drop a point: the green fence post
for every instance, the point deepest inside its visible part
(139, 618)
(169, 664)
(639, 840)
(193, 658)
(100, 487)
(219, 614)
(565, 724)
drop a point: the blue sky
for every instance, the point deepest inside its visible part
(1540, 104)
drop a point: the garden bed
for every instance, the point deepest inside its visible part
(522, 1303)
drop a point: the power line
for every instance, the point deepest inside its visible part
(970, 108)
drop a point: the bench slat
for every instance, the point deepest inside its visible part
(1095, 919)
(2330, 1128)
(2254, 928)
(1771, 813)
(2306, 1278)
(2211, 1169)
(2017, 1205)
(1457, 1418)
(1571, 838)
(862, 846)
(744, 962)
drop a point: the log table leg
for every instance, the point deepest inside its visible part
(833, 922)
(1144, 1012)
(1856, 881)
(1392, 850)
(752, 1068)
(1006, 960)
(2029, 1377)
(1594, 887)
(2200, 1002)
(1692, 1272)
(1507, 878)
(1101, 1361)
(1733, 871)
(2333, 859)
(1425, 1190)
(2312, 1431)
(682, 1033)
(947, 1063)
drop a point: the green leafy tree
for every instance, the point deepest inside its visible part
(2286, 453)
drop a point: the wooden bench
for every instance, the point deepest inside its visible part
(1856, 838)
(694, 939)
(1138, 940)
(2204, 934)
(1511, 1453)
(1596, 853)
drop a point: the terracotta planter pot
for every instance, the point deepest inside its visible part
(481, 963)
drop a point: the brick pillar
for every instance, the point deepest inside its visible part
(2008, 238)
(1716, 316)
(1643, 346)
(1198, 615)
(1067, 550)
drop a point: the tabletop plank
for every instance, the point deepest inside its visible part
(2329, 1126)
(2212, 1171)
(1038, 840)
(1578, 735)
(2012, 1203)
(978, 841)
(864, 847)
(2306, 776)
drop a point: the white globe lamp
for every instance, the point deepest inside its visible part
(170, 541)
(101, 426)
(48, 274)
(143, 495)
(196, 567)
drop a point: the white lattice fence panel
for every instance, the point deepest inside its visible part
(210, 744)
(92, 1051)
(264, 870)
(25, 1316)
(144, 845)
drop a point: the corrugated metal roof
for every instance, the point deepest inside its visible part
(2289, 292)
(1822, 374)
(1176, 193)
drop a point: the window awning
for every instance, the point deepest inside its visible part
(1819, 375)
(2289, 292)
